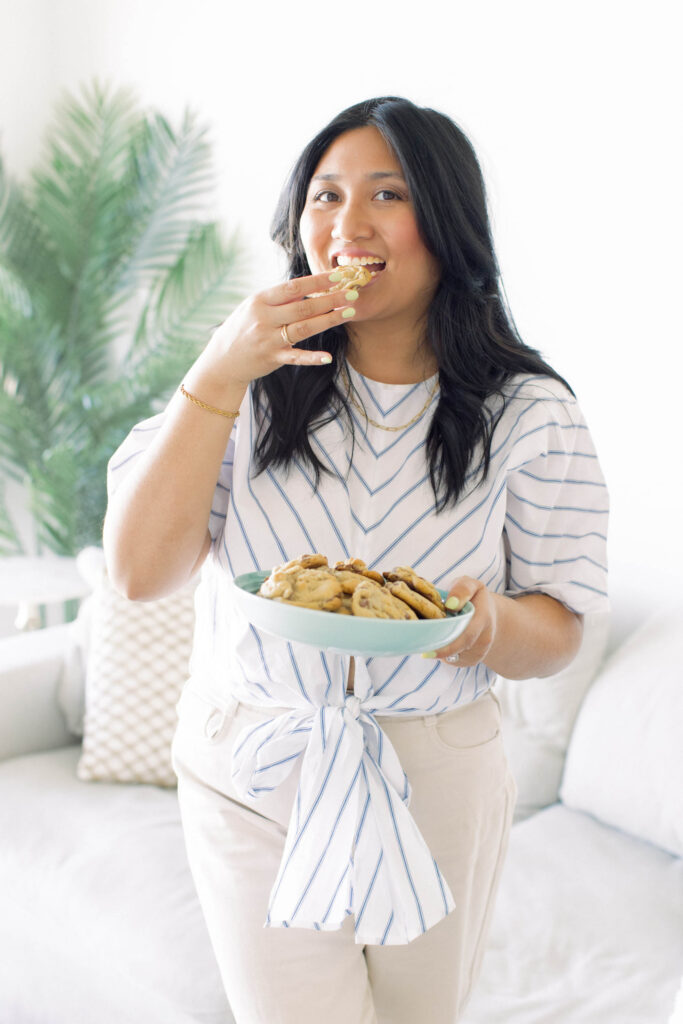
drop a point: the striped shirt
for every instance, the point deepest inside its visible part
(537, 522)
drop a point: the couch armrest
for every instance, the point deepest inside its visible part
(31, 668)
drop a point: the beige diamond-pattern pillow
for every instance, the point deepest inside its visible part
(137, 665)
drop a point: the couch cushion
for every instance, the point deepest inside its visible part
(625, 760)
(30, 674)
(100, 921)
(538, 717)
(677, 1012)
(588, 927)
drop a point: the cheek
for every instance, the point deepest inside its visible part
(425, 267)
(407, 239)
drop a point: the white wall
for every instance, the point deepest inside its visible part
(26, 80)
(573, 109)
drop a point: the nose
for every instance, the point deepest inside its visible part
(351, 222)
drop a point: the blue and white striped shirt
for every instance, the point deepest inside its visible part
(536, 523)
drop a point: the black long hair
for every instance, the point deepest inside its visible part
(469, 328)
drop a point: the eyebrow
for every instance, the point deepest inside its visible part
(370, 177)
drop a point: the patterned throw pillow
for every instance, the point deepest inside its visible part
(136, 667)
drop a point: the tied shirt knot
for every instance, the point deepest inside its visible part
(353, 704)
(352, 846)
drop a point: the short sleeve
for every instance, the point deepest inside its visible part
(138, 441)
(557, 504)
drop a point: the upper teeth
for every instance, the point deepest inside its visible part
(357, 261)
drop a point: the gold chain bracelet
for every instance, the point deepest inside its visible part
(209, 408)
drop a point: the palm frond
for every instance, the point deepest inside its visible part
(172, 174)
(13, 292)
(24, 246)
(110, 280)
(76, 191)
(54, 486)
(196, 292)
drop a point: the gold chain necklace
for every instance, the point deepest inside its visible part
(374, 423)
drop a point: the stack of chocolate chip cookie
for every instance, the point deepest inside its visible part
(350, 588)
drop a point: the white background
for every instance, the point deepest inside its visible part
(575, 113)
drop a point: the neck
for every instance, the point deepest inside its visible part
(390, 357)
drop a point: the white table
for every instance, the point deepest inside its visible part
(31, 582)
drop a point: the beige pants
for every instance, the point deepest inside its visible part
(463, 798)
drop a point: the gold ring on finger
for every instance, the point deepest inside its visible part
(285, 337)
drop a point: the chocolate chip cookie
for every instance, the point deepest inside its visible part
(425, 608)
(405, 574)
(307, 588)
(373, 602)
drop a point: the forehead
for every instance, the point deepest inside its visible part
(361, 150)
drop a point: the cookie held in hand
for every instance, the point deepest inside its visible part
(345, 279)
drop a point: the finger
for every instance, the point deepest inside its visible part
(462, 590)
(465, 652)
(303, 357)
(467, 641)
(297, 288)
(466, 648)
(305, 309)
(300, 330)
(470, 646)
(456, 658)
(473, 644)
(461, 659)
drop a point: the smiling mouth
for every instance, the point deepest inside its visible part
(373, 264)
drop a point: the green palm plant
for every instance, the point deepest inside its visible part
(111, 279)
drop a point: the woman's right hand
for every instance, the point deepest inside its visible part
(250, 343)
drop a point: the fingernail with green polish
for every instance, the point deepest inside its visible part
(335, 276)
(429, 654)
(326, 359)
(351, 296)
(452, 603)
(349, 312)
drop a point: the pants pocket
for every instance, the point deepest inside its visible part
(202, 726)
(469, 728)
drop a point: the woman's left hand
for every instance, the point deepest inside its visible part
(474, 644)
(518, 637)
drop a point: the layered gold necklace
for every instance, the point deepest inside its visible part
(349, 394)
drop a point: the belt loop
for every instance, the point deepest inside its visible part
(429, 721)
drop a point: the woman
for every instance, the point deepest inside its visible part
(361, 809)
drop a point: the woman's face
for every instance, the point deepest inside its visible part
(358, 206)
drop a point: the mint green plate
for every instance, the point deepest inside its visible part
(345, 634)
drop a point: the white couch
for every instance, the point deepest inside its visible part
(99, 923)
